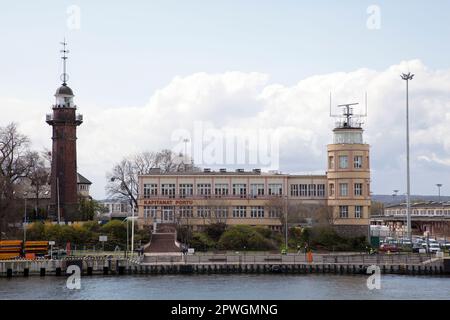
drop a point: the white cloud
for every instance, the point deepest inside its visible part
(249, 100)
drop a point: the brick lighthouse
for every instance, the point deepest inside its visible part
(64, 121)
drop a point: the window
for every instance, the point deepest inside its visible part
(358, 212)
(257, 212)
(358, 189)
(257, 189)
(331, 189)
(204, 189)
(294, 190)
(343, 211)
(186, 212)
(274, 212)
(186, 190)
(221, 189)
(221, 212)
(303, 190)
(343, 162)
(239, 212)
(167, 213)
(150, 189)
(357, 162)
(168, 190)
(343, 189)
(150, 212)
(240, 189)
(330, 162)
(321, 190)
(203, 212)
(275, 189)
(311, 190)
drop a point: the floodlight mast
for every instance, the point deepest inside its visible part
(407, 76)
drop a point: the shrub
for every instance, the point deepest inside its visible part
(215, 230)
(242, 237)
(201, 242)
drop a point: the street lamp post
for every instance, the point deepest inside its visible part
(286, 223)
(132, 230)
(124, 187)
(407, 77)
(439, 185)
(59, 207)
(25, 220)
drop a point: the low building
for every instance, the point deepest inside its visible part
(260, 198)
(115, 209)
(426, 217)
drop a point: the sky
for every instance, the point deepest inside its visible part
(145, 73)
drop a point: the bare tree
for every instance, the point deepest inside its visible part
(123, 179)
(14, 167)
(39, 177)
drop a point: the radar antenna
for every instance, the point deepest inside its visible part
(347, 115)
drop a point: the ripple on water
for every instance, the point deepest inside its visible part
(179, 287)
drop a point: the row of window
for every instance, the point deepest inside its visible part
(344, 189)
(117, 207)
(308, 190)
(167, 212)
(343, 162)
(420, 212)
(205, 189)
(343, 212)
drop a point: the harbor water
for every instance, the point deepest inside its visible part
(227, 287)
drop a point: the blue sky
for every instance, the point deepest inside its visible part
(124, 52)
(140, 46)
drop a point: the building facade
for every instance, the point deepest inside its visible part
(429, 217)
(262, 199)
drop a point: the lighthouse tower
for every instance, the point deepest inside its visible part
(348, 175)
(64, 121)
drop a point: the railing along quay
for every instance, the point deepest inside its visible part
(201, 264)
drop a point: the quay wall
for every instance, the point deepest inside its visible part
(117, 266)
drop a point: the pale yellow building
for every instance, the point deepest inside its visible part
(260, 198)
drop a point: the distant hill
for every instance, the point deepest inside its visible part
(402, 198)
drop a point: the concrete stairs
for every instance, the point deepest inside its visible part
(163, 240)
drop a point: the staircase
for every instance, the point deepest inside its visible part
(163, 239)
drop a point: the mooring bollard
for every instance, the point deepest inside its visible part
(105, 271)
(26, 272)
(42, 272)
(121, 270)
(89, 271)
(9, 273)
(58, 272)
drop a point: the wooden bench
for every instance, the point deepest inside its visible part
(218, 259)
(273, 259)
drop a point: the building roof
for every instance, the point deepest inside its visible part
(223, 172)
(64, 90)
(422, 204)
(82, 180)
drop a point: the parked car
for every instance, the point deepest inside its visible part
(434, 247)
(388, 248)
(416, 248)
